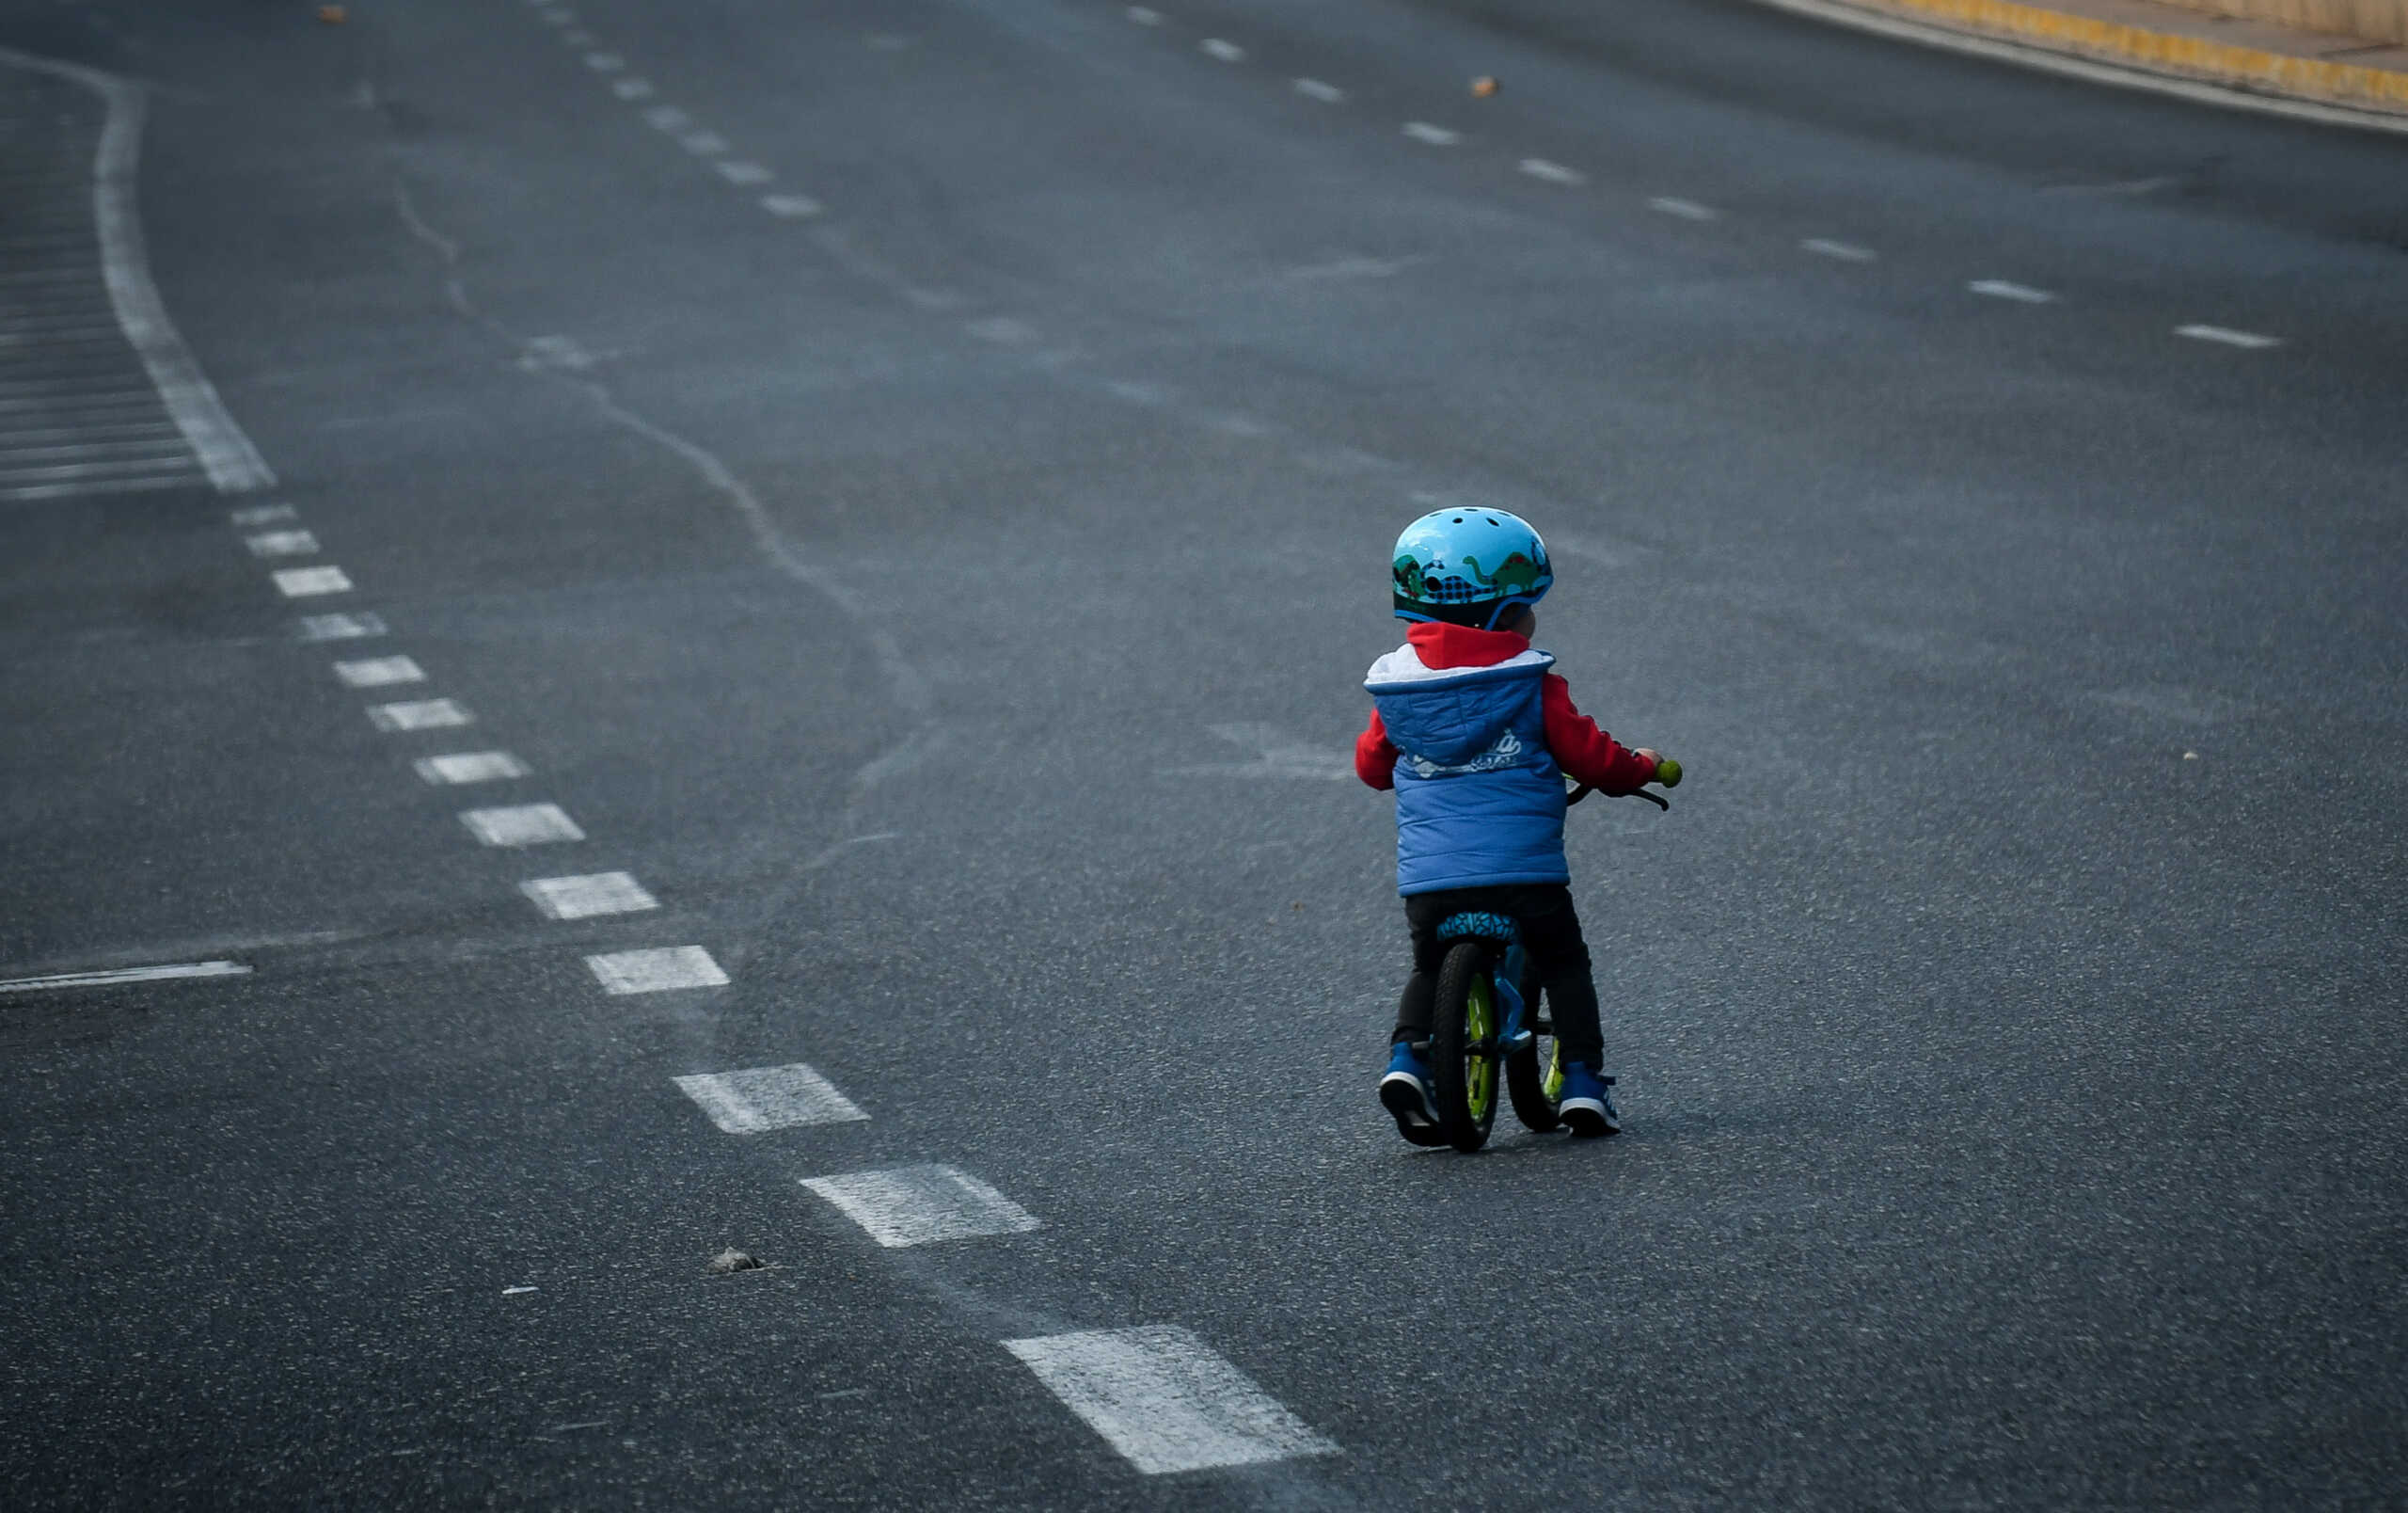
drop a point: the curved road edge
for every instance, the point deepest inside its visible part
(2105, 51)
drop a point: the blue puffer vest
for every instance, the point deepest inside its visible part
(1478, 802)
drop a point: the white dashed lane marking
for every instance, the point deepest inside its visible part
(258, 515)
(667, 119)
(340, 627)
(703, 143)
(282, 543)
(605, 62)
(1144, 15)
(922, 1204)
(633, 89)
(379, 672)
(1422, 131)
(764, 1098)
(522, 824)
(790, 207)
(661, 969)
(419, 715)
(2227, 336)
(1685, 209)
(1328, 94)
(1553, 172)
(1281, 755)
(738, 172)
(1165, 1400)
(2020, 293)
(1843, 252)
(463, 767)
(1226, 52)
(582, 898)
(310, 583)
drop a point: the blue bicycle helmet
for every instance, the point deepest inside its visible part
(1468, 567)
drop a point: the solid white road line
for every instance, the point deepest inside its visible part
(920, 1205)
(790, 207)
(739, 172)
(1685, 209)
(1552, 172)
(1165, 1400)
(1225, 52)
(105, 431)
(233, 465)
(2022, 293)
(130, 974)
(340, 627)
(463, 766)
(521, 824)
(419, 714)
(582, 898)
(1144, 15)
(768, 1097)
(378, 672)
(258, 515)
(1422, 131)
(2229, 337)
(1328, 94)
(1844, 251)
(150, 456)
(660, 970)
(309, 582)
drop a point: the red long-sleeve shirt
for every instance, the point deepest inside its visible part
(1586, 753)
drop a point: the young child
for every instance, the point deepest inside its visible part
(1475, 736)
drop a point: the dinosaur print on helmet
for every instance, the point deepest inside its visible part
(1443, 568)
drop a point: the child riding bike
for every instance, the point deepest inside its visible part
(1477, 736)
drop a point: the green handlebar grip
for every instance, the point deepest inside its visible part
(1667, 771)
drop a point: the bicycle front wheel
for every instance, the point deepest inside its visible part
(1463, 1050)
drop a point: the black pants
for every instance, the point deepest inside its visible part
(1551, 933)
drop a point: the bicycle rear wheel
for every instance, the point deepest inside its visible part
(1534, 1074)
(1464, 1051)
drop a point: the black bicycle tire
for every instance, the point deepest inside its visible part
(1449, 1088)
(1526, 1069)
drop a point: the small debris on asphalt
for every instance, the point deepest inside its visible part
(333, 15)
(735, 1260)
(1483, 87)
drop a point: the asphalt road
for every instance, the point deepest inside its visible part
(911, 482)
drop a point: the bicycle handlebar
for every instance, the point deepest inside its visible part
(1667, 772)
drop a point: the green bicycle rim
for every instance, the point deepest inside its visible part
(1480, 1071)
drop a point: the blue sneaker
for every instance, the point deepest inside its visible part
(1588, 1103)
(1404, 1091)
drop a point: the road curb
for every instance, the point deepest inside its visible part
(2313, 80)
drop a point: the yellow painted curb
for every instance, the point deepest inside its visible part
(2311, 78)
